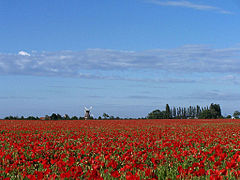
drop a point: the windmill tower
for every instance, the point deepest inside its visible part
(87, 113)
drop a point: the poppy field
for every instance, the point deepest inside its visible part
(120, 149)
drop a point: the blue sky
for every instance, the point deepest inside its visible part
(125, 58)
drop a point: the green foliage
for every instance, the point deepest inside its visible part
(105, 116)
(205, 114)
(168, 112)
(66, 117)
(228, 116)
(215, 111)
(111, 117)
(31, 118)
(21, 118)
(236, 114)
(74, 118)
(54, 116)
(157, 114)
(212, 112)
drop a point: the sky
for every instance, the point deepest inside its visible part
(124, 58)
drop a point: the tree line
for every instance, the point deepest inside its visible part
(21, 118)
(55, 116)
(192, 112)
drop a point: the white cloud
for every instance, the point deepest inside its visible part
(23, 53)
(188, 4)
(120, 65)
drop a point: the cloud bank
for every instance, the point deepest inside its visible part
(212, 96)
(188, 4)
(191, 58)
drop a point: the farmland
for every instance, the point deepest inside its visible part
(120, 149)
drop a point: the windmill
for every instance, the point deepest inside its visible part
(87, 113)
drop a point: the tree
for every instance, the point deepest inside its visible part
(184, 113)
(179, 114)
(66, 117)
(31, 118)
(194, 115)
(215, 111)
(205, 114)
(229, 116)
(236, 114)
(157, 114)
(53, 116)
(168, 112)
(198, 111)
(59, 117)
(174, 112)
(105, 116)
(74, 118)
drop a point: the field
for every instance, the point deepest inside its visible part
(120, 149)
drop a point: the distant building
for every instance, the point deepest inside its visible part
(87, 113)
